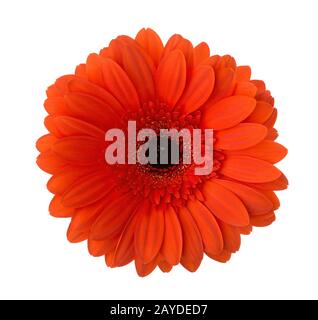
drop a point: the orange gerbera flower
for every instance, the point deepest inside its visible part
(161, 215)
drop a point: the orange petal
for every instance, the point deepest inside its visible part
(201, 53)
(263, 220)
(149, 234)
(172, 243)
(228, 112)
(98, 248)
(261, 113)
(198, 90)
(223, 257)
(44, 143)
(69, 126)
(87, 190)
(56, 105)
(79, 149)
(245, 88)
(272, 134)
(249, 169)
(125, 249)
(231, 237)
(94, 69)
(208, 227)
(243, 73)
(242, 136)
(114, 217)
(50, 162)
(267, 150)
(269, 123)
(151, 42)
(118, 83)
(92, 110)
(57, 209)
(93, 90)
(192, 251)
(164, 266)
(280, 183)
(145, 269)
(171, 78)
(254, 201)
(80, 71)
(60, 182)
(178, 42)
(139, 72)
(273, 198)
(81, 222)
(225, 204)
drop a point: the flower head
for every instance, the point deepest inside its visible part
(161, 215)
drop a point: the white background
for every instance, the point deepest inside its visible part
(42, 40)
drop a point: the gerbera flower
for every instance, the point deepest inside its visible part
(161, 215)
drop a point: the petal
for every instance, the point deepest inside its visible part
(178, 42)
(50, 162)
(56, 105)
(225, 204)
(242, 136)
(245, 88)
(125, 249)
(171, 78)
(243, 73)
(57, 209)
(92, 110)
(280, 183)
(149, 234)
(60, 182)
(249, 169)
(208, 227)
(99, 248)
(228, 112)
(231, 237)
(90, 89)
(69, 126)
(263, 220)
(201, 53)
(145, 269)
(272, 134)
(44, 143)
(151, 42)
(172, 243)
(81, 222)
(164, 266)
(266, 150)
(139, 72)
(269, 123)
(114, 216)
(198, 90)
(261, 113)
(79, 149)
(118, 83)
(94, 69)
(192, 251)
(87, 190)
(223, 257)
(254, 201)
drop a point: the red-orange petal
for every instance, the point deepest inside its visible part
(139, 72)
(243, 73)
(151, 43)
(201, 53)
(263, 220)
(228, 112)
(208, 227)
(171, 78)
(87, 190)
(199, 89)
(245, 88)
(249, 169)
(172, 242)
(225, 204)
(266, 150)
(261, 113)
(45, 142)
(242, 136)
(93, 69)
(118, 83)
(149, 234)
(192, 251)
(57, 209)
(254, 201)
